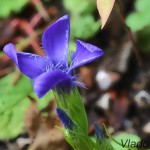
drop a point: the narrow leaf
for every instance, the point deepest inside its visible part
(72, 105)
(104, 7)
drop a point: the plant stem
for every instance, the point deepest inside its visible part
(135, 48)
(112, 138)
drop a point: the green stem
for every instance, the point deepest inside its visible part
(112, 138)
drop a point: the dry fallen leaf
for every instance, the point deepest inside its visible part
(42, 128)
(104, 7)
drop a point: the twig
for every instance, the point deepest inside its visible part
(135, 48)
(40, 8)
(26, 41)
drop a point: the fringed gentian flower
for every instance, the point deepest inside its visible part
(52, 71)
(75, 136)
(99, 132)
(66, 121)
(102, 141)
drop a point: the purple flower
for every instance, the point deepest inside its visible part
(52, 70)
(99, 132)
(66, 121)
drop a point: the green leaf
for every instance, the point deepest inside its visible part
(9, 6)
(105, 144)
(83, 24)
(12, 120)
(77, 7)
(124, 138)
(73, 106)
(84, 27)
(79, 140)
(121, 140)
(14, 103)
(139, 21)
(10, 94)
(140, 18)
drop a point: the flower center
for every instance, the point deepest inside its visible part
(49, 65)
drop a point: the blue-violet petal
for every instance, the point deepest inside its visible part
(29, 64)
(49, 80)
(99, 132)
(55, 41)
(85, 53)
(66, 121)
